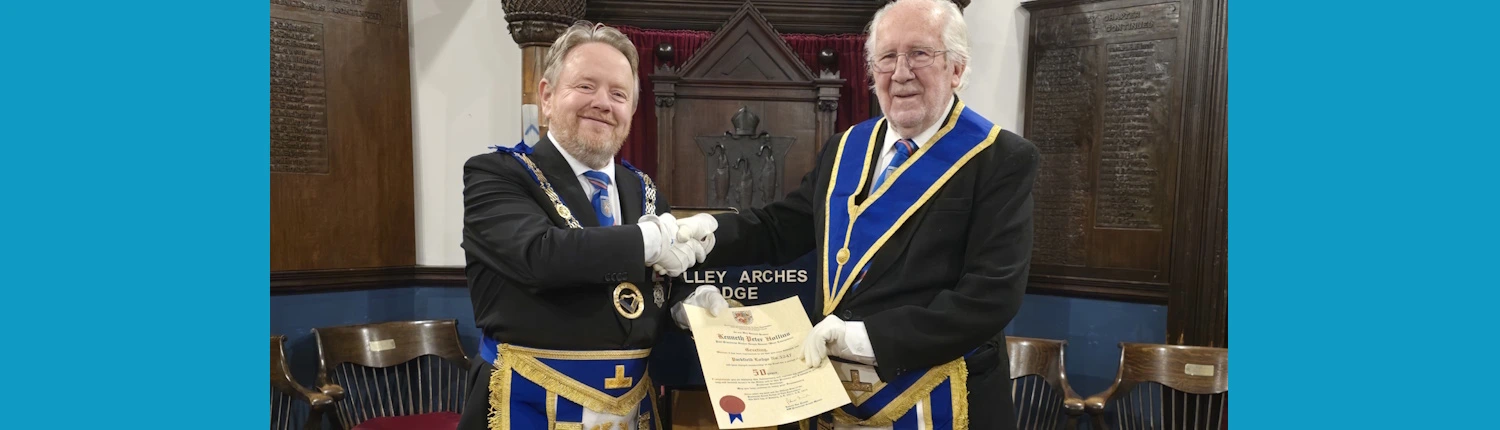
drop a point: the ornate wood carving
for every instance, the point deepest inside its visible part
(806, 16)
(802, 16)
(745, 70)
(539, 22)
(744, 166)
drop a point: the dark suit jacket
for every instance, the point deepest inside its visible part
(533, 281)
(947, 282)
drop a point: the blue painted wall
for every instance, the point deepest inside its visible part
(295, 315)
(1093, 329)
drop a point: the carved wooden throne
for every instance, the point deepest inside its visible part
(743, 120)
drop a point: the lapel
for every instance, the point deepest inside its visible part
(881, 262)
(564, 182)
(629, 186)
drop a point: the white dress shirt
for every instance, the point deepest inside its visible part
(650, 236)
(889, 150)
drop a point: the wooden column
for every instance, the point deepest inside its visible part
(828, 84)
(534, 24)
(1198, 308)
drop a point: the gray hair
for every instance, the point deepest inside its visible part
(955, 36)
(587, 32)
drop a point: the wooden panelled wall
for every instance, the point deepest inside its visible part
(341, 140)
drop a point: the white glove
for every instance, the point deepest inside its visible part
(665, 226)
(707, 297)
(835, 337)
(698, 227)
(678, 257)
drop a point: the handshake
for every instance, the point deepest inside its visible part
(683, 243)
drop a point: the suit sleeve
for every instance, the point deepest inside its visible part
(506, 229)
(776, 234)
(988, 293)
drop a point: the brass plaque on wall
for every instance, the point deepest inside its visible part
(1104, 106)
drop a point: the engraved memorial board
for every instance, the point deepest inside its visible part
(1103, 106)
(340, 140)
(299, 101)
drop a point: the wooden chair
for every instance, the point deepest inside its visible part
(401, 374)
(1166, 387)
(286, 394)
(1039, 384)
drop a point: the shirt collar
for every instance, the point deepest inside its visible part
(578, 166)
(921, 138)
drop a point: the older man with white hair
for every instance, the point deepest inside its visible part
(922, 224)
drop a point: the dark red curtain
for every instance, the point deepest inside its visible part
(640, 146)
(854, 96)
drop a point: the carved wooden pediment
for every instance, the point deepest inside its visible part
(747, 49)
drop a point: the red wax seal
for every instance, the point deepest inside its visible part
(732, 404)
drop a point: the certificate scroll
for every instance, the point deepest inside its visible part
(752, 365)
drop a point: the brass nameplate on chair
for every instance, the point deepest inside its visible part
(381, 345)
(1198, 369)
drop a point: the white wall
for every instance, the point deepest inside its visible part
(997, 51)
(466, 91)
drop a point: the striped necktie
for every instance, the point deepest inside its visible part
(600, 199)
(904, 149)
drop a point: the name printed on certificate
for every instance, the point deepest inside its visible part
(752, 365)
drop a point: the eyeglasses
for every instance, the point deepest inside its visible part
(916, 59)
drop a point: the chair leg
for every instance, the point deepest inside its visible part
(314, 419)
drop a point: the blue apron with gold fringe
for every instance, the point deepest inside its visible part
(534, 388)
(920, 399)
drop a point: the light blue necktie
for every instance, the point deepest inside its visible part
(600, 198)
(904, 149)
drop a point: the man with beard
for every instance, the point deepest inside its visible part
(561, 242)
(922, 224)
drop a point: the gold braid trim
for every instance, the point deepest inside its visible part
(926, 423)
(655, 411)
(499, 417)
(551, 410)
(523, 360)
(955, 370)
(584, 395)
(960, 390)
(559, 354)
